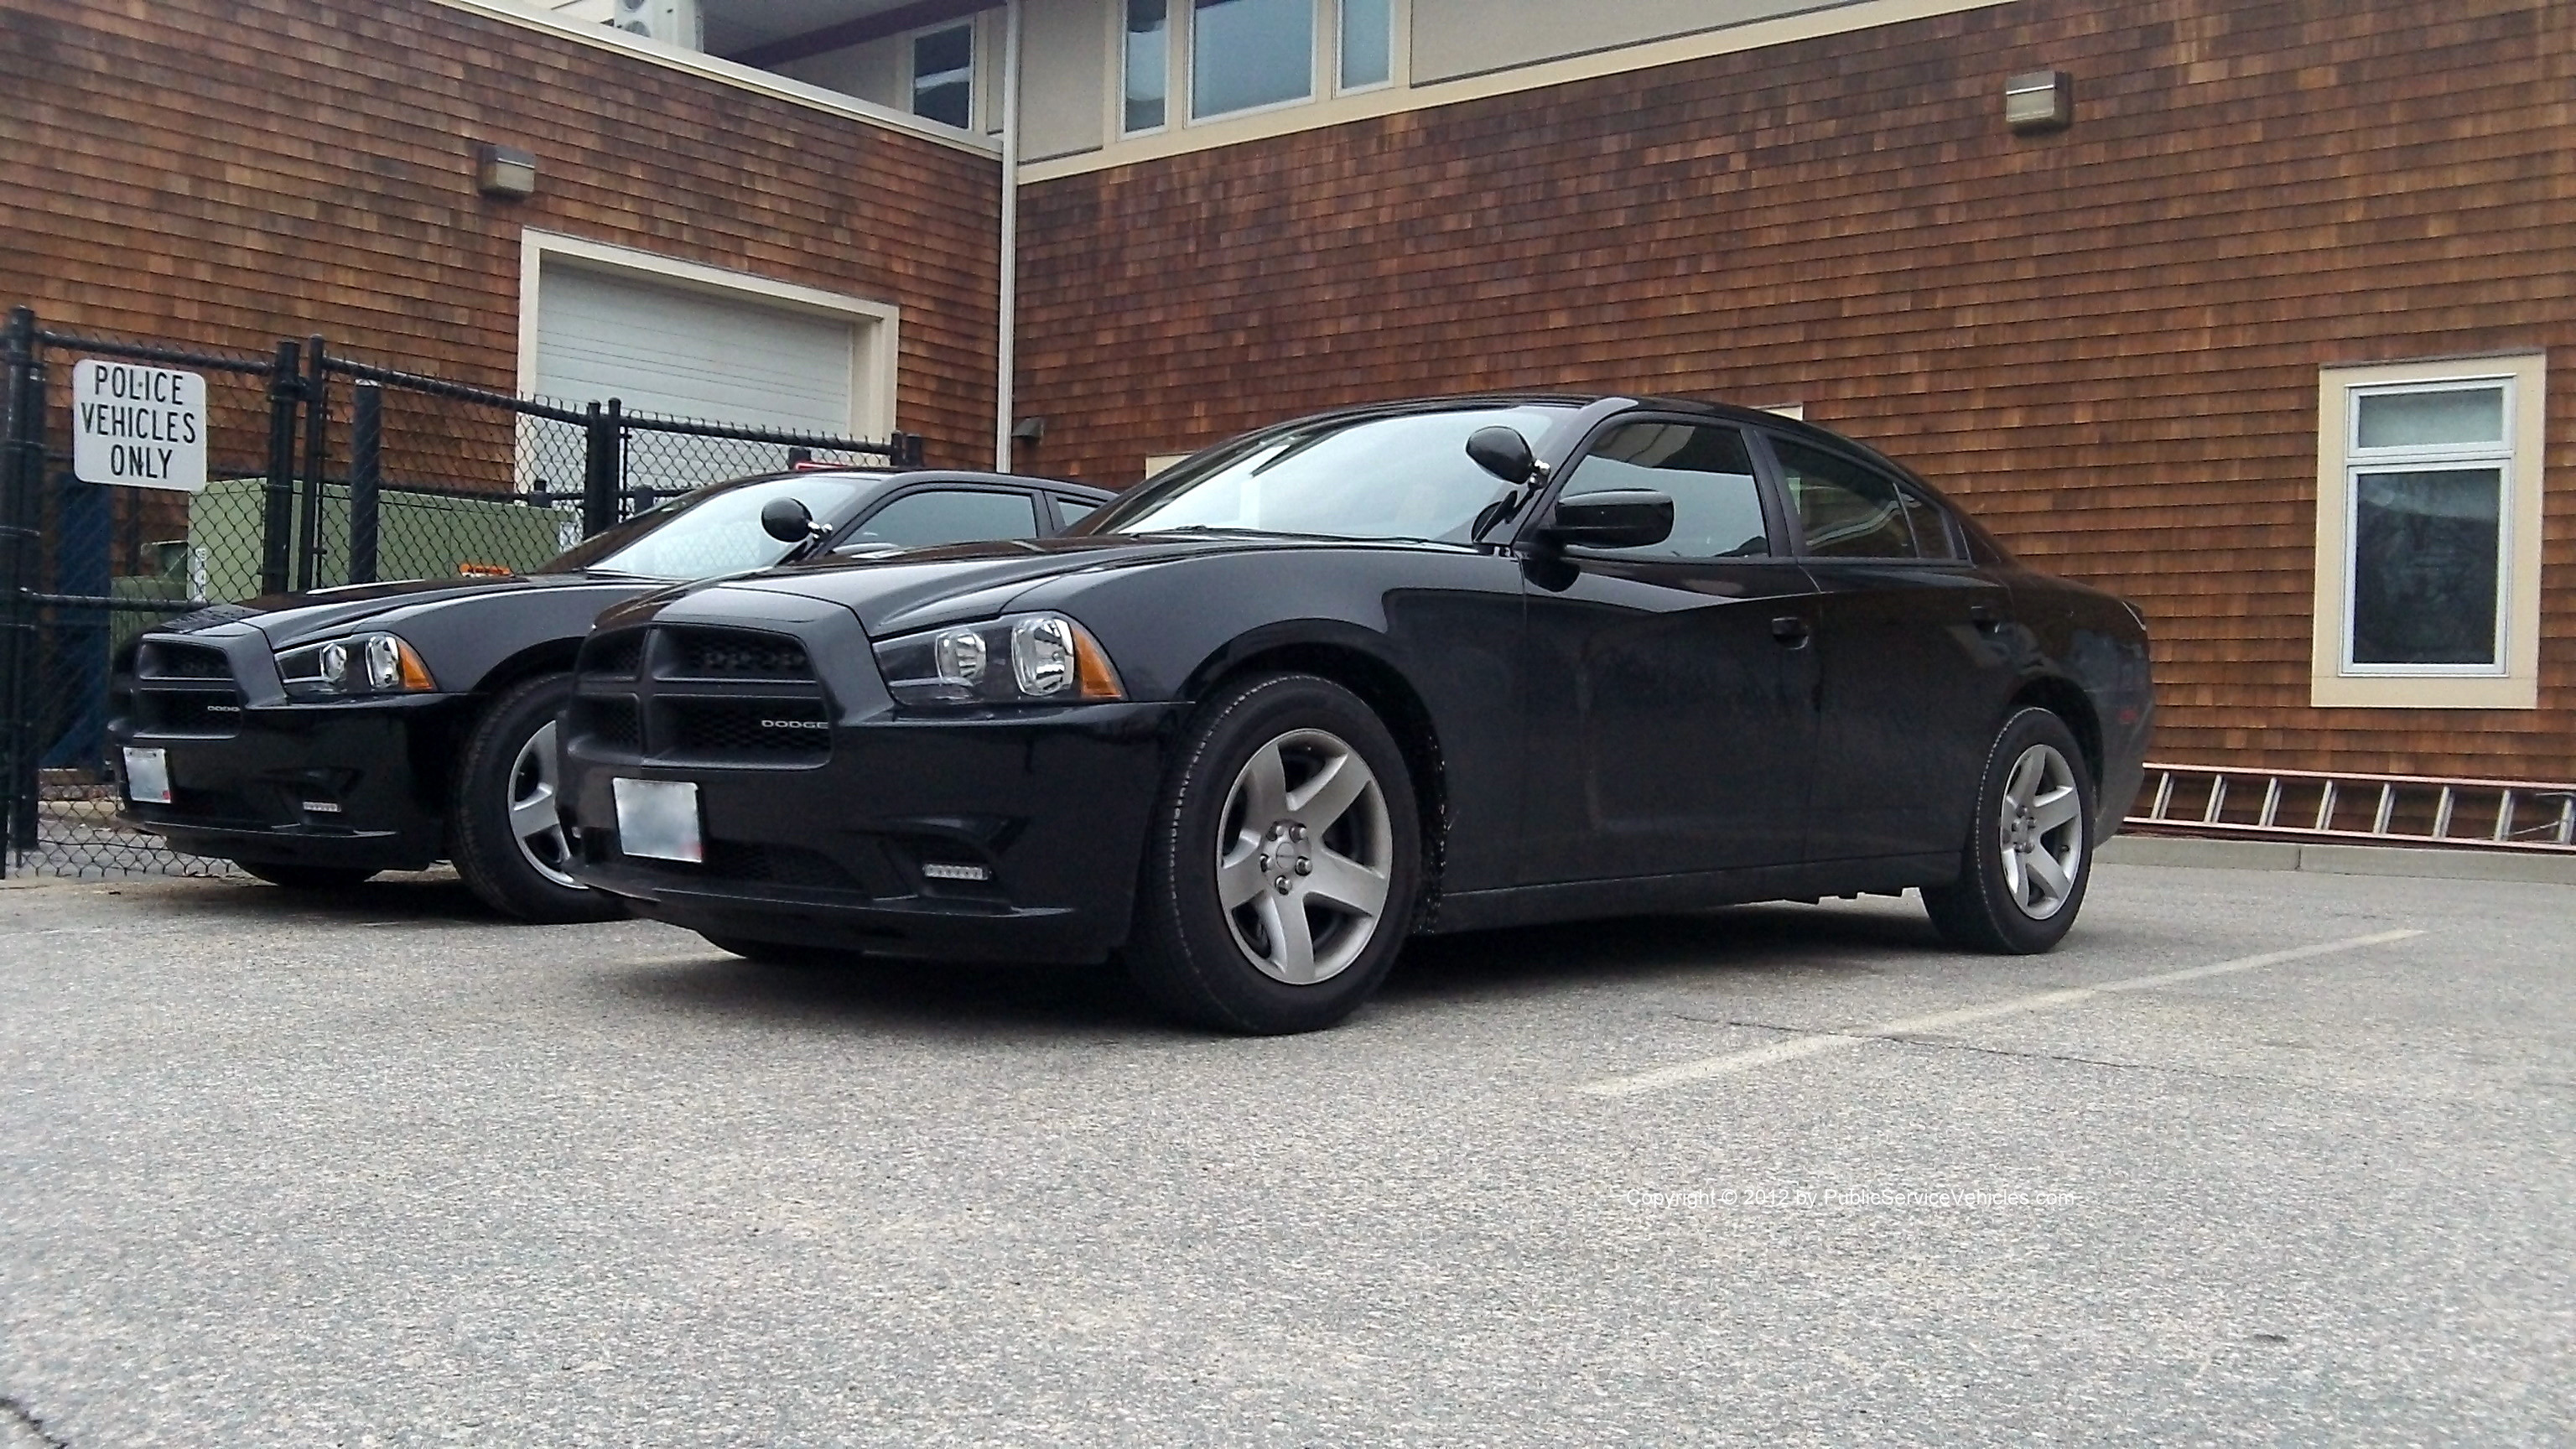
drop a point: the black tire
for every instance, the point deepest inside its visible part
(1185, 952)
(486, 850)
(308, 877)
(1983, 910)
(782, 953)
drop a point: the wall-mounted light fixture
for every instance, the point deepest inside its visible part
(2039, 100)
(505, 171)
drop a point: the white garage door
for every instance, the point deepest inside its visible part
(691, 354)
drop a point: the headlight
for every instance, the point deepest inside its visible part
(360, 664)
(1025, 659)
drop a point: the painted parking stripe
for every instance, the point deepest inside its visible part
(1809, 1046)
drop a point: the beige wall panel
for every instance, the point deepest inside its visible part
(1064, 78)
(1453, 38)
(872, 72)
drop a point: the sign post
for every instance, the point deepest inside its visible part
(137, 426)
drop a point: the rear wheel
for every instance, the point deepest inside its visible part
(1282, 867)
(308, 877)
(2029, 853)
(509, 842)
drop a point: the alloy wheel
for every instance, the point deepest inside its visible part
(1304, 855)
(534, 822)
(2042, 820)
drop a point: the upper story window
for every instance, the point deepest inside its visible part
(943, 74)
(1249, 54)
(2428, 513)
(1237, 57)
(1147, 60)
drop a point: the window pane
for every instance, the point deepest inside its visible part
(1847, 509)
(922, 519)
(1068, 513)
(1246, 53)
(1149, 63)
(1931, 530)
(2424, 561)
(1717, 507)
(2432, 419)
(943, 75)
(1368, 43)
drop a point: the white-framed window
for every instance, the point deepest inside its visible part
(2428, 534)
(943, 74)
(1187, 62)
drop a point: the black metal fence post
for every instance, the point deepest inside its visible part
(22, 463)
(366, 478)
(603, 433)
(285, 389)
(317, 457)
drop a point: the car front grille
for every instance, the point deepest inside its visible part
(185, 689)
(680, 694)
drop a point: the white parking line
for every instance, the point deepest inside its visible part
(1808, 1046)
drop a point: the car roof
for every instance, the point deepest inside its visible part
(892, 477)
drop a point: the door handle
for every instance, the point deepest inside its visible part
(1792, 630)
(1985, 617)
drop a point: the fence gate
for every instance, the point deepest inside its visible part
(318, 470)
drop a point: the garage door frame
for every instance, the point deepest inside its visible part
(875, 327)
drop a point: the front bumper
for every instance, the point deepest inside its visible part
(352, 784)
(1054, 803)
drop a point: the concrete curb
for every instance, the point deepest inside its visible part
(2173, 850)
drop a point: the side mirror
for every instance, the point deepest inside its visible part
(1625, 518)
(1502, 452)
(787, 520)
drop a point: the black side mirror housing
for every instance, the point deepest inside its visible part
(1502, 452)
(1624, 518)
(787, 520)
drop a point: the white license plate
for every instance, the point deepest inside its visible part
(658, 819)
(147, 776)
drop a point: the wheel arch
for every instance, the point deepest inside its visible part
(2067, 700)
(1380, 685)
(436, 760)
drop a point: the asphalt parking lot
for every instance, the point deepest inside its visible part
(2258, 1157)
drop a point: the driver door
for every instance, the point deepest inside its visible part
(1671, 687)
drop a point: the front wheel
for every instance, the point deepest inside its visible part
(1283, 863)
(2029, 853)
(509, 842)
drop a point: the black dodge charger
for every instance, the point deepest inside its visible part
(318, 739)
(1425, 667)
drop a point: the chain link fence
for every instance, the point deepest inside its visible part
(320, 471)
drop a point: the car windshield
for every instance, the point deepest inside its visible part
(712, 531)
(1401, 476)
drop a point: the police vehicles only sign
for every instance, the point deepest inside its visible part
(144, 427)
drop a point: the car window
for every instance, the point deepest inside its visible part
(1848, 509)
(1932, 535)
(949, 515)
(1717, 507)
(1070, 511)
(712, 531)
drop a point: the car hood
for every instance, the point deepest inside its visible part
(289, 619)
(925, 588)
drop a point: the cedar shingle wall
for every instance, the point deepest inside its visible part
(227, 172)
(2104, 341)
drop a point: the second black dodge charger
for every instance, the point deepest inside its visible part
(317, 739)
(1441, 665)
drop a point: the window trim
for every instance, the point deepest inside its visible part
(1335, 46)
(1183, 130)
(2335, 681)
(1118, 127)
(975, 87)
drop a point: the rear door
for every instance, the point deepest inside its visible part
(1671, 687)
(1910, 641)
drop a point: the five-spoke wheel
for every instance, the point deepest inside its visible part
(505, 831)
(2023, 869)
(1283, 867)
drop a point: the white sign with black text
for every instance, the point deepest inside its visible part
(142, 427)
